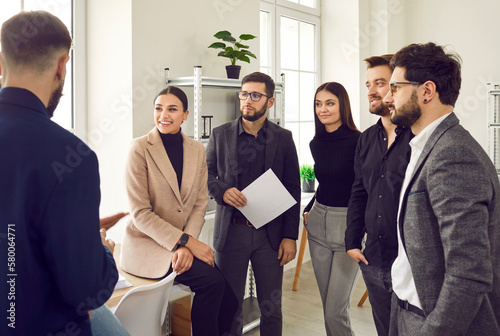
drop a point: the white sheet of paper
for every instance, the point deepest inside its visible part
(267, 198)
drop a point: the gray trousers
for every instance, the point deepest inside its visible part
(336, 273)
(244, 244)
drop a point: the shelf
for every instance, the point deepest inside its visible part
(493, 108)
(198, 83)
(216, 83)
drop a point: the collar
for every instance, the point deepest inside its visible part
(171, 138)
(419, 141)
(399, 129)
(24, 98)
(241, 130)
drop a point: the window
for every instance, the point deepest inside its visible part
(63, 9)
(295, 54)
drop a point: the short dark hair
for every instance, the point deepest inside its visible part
(260, 77)
(430, 62)
(176, 92)
(374, 61)
(344, 107)
(33, 39)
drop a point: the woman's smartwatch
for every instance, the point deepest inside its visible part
(184, 239)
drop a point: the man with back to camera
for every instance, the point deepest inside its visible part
(239, 152)
(446, 276)
(382, 154)
(55, 268)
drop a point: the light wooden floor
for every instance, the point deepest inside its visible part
(303, 313)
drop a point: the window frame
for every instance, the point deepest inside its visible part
(79, 67)
(316, 10)
(302, 15)
(78, 103)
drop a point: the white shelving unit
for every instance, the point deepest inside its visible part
(494, 124)
(198, 83)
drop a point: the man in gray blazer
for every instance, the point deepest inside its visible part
(239, 152)
(446, 276)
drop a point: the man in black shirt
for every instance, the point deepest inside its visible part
(239, 152)
(380, 161)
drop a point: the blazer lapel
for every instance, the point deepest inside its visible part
(189, 166)
(446, 124)
(231, 143)
(160, 157)
(272, 140)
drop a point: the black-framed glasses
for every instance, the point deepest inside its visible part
(394, 86)
(254, 96)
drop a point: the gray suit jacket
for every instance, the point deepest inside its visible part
(451, 223)
(222, 164)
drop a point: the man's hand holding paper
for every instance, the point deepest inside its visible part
(235, 198)
(266, 198)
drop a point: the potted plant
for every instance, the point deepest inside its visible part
(235, 51)
(308, 177)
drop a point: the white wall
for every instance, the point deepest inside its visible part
(109, 89)
(358, 29)
(129, 44)
(471, 29)
(176, 34)
(340, 47)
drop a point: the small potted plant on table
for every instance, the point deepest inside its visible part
(308, 178)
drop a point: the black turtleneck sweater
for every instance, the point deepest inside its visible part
(173, 146)
(333, 155)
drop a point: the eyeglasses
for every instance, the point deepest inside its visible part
(254, 96)
(394, 86)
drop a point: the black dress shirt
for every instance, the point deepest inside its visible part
(251, 158)
(373, 206)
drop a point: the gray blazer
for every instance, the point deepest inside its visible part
(451, 223)
(222, 164)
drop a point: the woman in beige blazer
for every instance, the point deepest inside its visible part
(166, 181)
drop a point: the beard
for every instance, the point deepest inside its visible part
(54, 99)
(407, 114)
(257, 114)
(382, 110)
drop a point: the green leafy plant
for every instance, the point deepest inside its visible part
(307, 173)
(237, 51)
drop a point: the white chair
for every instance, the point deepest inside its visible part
(142, 310)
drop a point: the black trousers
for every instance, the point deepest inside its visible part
(214, 303)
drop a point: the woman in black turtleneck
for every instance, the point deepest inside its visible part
(166, 181)
(332, 149)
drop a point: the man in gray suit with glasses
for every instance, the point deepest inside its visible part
(446, 278)
(239, 152)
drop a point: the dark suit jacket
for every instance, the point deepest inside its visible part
(222, 163)
(49, 192)
(451, 222)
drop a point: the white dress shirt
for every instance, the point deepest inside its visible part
(403, 283)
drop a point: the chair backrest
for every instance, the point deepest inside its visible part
(142, 310)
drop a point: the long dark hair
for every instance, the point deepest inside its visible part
(344, 107)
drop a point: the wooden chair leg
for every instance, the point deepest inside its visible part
(363, 299)
(302, 248)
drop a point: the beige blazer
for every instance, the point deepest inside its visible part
(160, 212)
